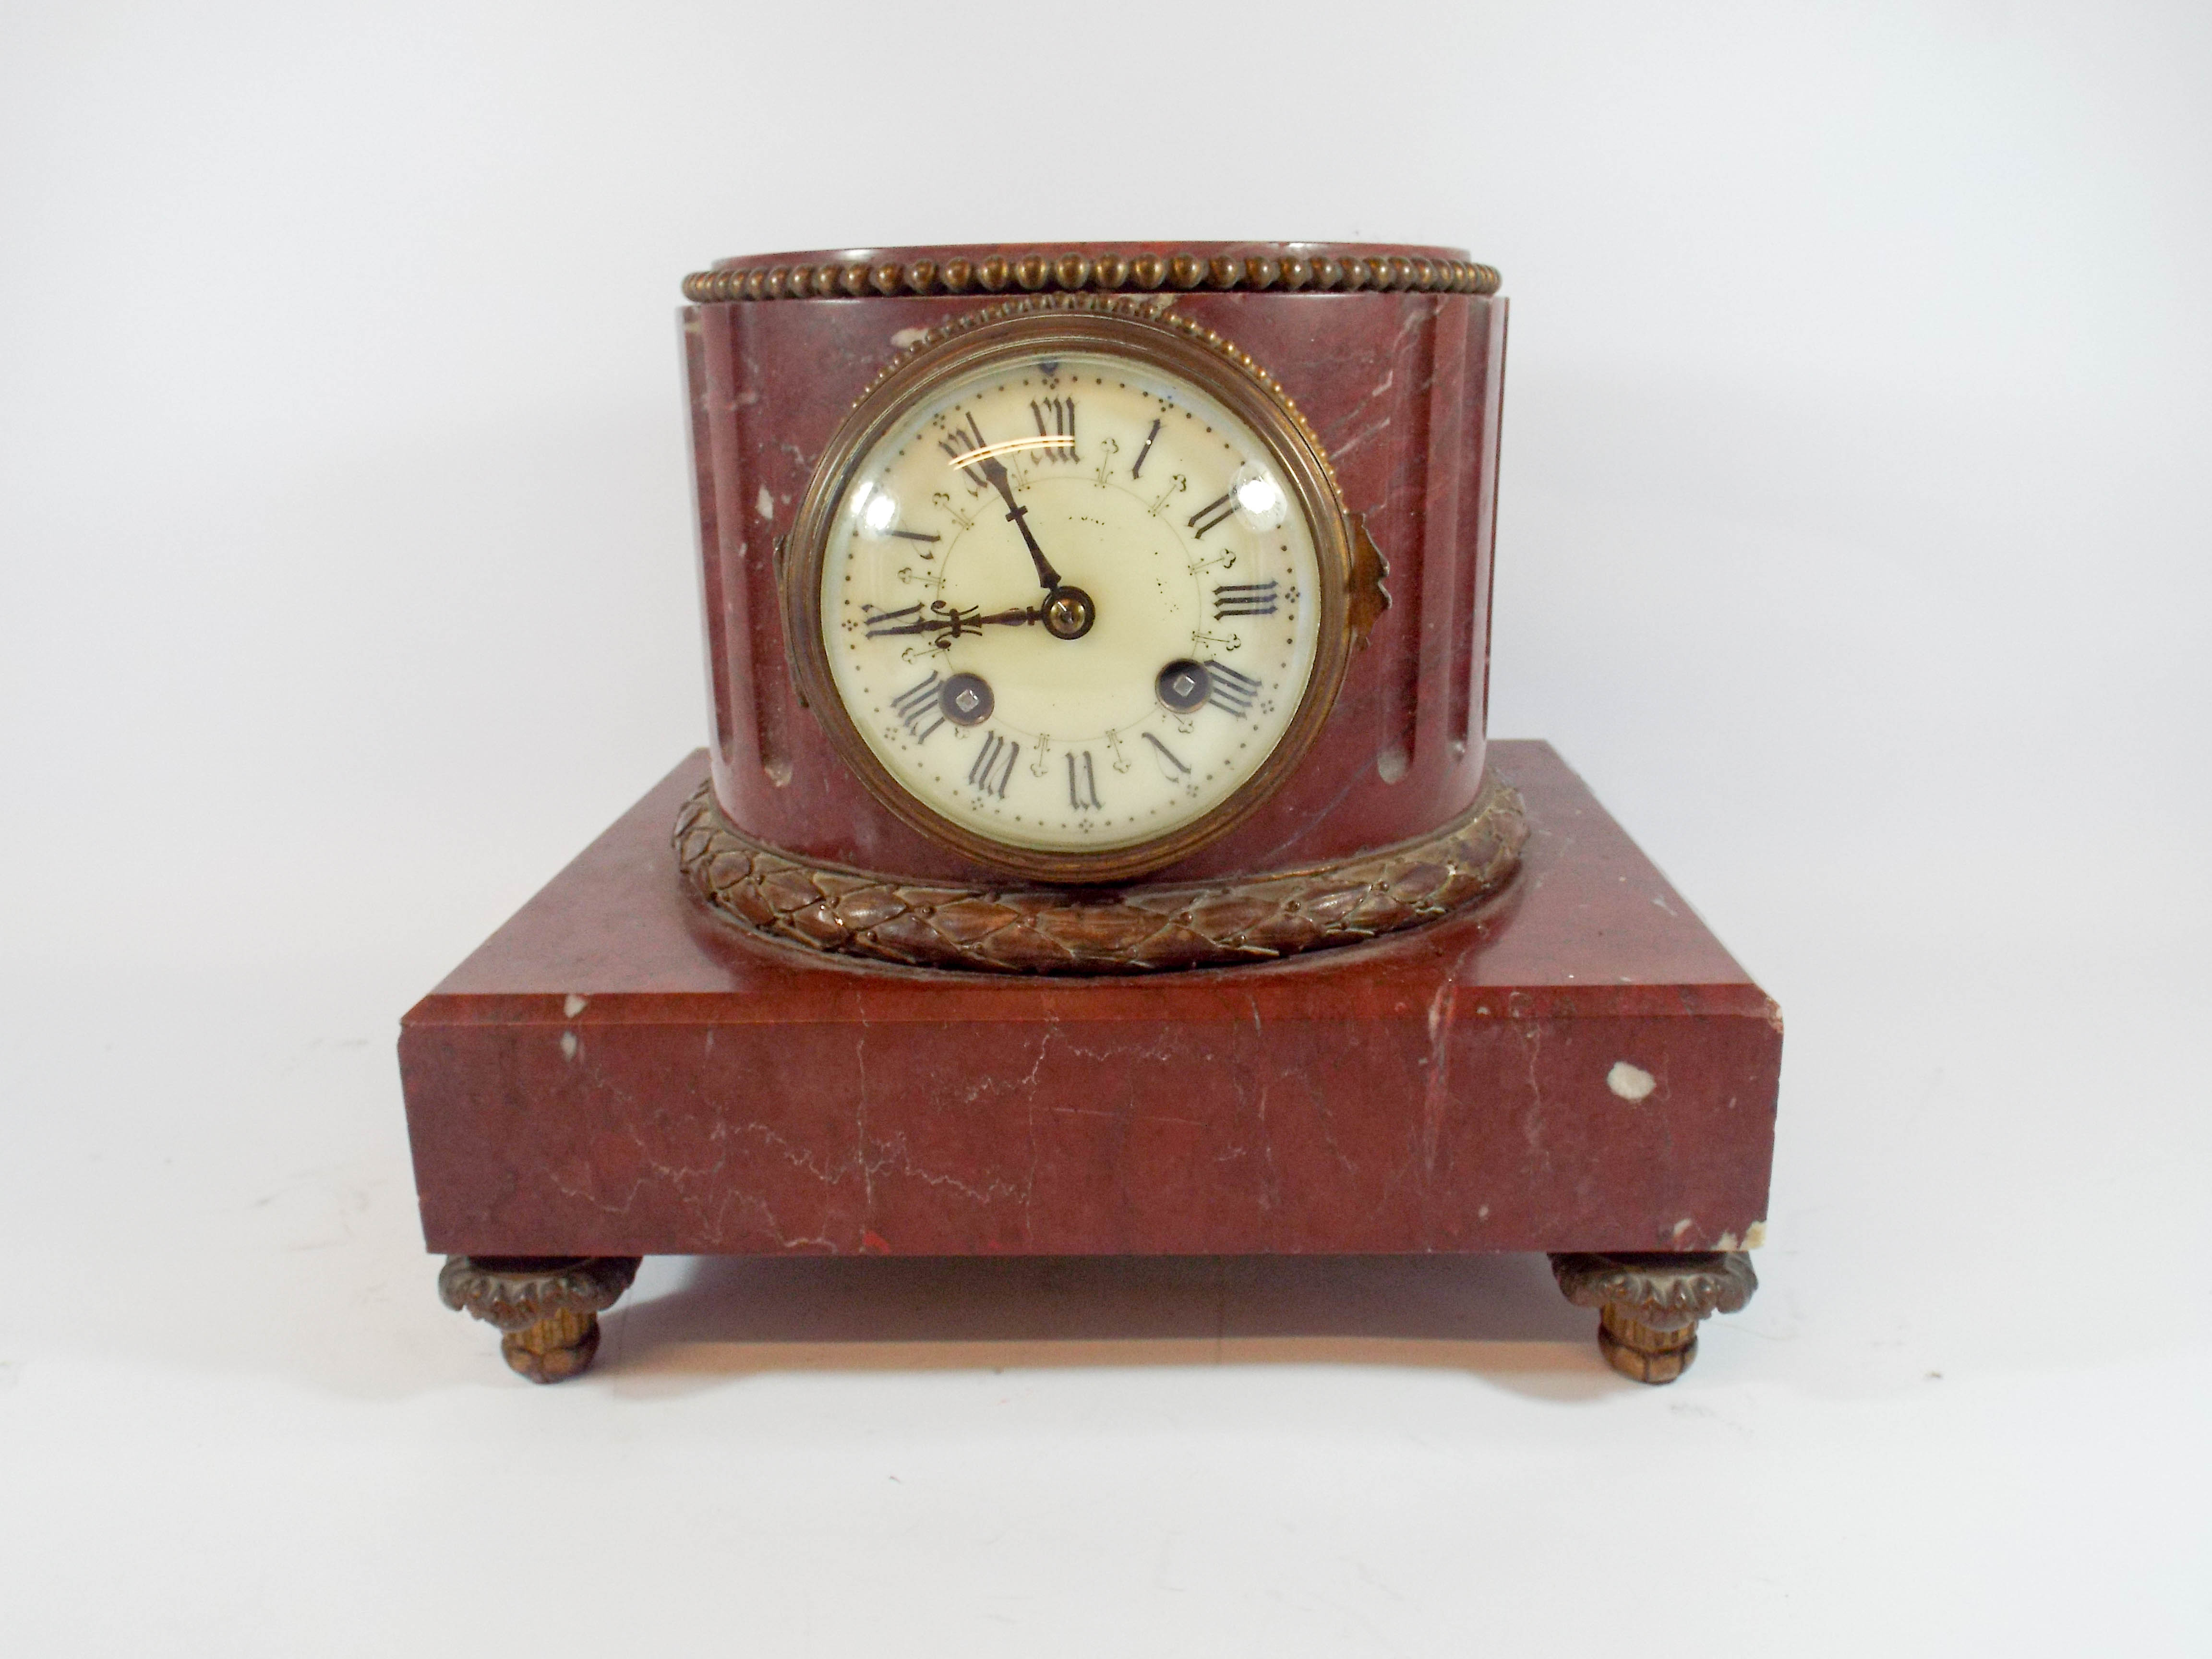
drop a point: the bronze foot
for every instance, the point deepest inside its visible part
(1649, 1306)
(547, 1307)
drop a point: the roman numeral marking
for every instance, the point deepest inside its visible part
(1055, 425)
(994, 765)
(914, 535)
(1215, 512)
(917, 708)
(1243, 599)
(1082, 783)
(959, 446)
(1232, 692)
(905, 620)
(1137, 465)
(1168, 759)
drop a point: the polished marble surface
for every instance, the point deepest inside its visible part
(1579, 1065)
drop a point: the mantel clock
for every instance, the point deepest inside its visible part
(1098, 645)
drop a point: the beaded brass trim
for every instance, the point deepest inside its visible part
(1072, 273)
(1147, 928)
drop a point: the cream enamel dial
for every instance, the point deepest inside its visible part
(1073, 602)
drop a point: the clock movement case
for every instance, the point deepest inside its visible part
(1575, 1066)
(1403, 388)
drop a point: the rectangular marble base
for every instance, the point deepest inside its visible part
(1579, 1065)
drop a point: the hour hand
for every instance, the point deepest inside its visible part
(952, 621)
(995, 470)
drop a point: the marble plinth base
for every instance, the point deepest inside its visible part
(1578, 1067)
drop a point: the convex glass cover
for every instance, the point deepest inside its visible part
(1074, 587)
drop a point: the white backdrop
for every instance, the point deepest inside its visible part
(1853, 544)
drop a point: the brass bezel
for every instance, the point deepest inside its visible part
(1147, 333)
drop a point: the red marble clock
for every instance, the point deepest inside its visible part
(1097, 641)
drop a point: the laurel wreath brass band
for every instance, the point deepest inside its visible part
(1072, 273)
(1144, 929)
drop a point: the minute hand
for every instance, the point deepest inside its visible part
(995, 470)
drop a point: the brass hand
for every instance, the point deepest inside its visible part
(952, 621)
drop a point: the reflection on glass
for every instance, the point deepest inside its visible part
(1260, 503)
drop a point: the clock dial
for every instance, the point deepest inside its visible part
(1070, 601)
